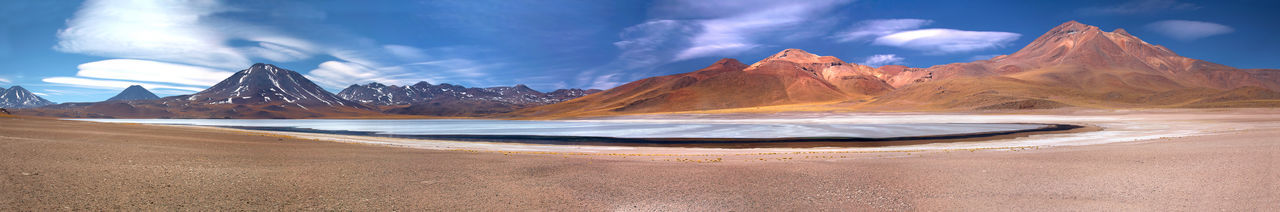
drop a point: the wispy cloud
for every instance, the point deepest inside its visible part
(906, 33)
(1139, 7)
(743, 31)
(1188, 30)
(111, 84)
(883, 59)
(870, 29)
(5, 81)
(151, 71)
(944, 41)
(683, 30)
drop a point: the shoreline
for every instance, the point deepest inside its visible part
(727, 143)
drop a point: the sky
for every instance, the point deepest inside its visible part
(85, 51)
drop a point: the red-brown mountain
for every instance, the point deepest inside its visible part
(1072, 65)
(1075, 65)
(788, 77)
(454, 100)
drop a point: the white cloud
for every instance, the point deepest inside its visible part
(906, 33)
(152, 71)
(1189, 30)
(406, 52)
(875, 28)
(943, 41)
(1139, 6)
(111, 84)
(340, 74)
(210, 35)
(883, 59)
(172, 31)
(5, 81)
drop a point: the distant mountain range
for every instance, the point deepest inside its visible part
(1072, 65)
(267, 91)
(454, 100)
(18, 97)
(134, 92)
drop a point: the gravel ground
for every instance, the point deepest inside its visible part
(69, 165)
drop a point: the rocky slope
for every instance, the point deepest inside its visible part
(134, 92)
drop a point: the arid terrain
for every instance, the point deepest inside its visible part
(1199, 160)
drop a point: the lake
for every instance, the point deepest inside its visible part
(466, 128)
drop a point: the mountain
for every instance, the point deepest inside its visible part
(268, 84)
(791, 76)
(134, 92)
(454, 100)
(18, 97)
(261, 91)
(1071, 65)
(1074, 64)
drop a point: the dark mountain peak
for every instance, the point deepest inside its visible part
(134, 92)
(1072, 26)
(792, 54)
(728, 63)
(1121, 31)
(524, 89)
(421, 84)
(18, 97)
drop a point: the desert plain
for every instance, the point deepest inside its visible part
(1158, 159)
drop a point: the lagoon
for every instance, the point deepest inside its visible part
(589, 128)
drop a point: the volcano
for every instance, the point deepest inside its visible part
(267, 84)
(134, 92)
(1075, 64)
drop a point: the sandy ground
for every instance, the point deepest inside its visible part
(1146, 160)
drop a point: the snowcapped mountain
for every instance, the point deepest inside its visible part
(134, 92)
(379, 94)
(268, 84)
(18, 97)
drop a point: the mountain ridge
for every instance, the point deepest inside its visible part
(19, 97)
(1071, 65)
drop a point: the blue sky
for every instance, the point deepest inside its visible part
(75, 51)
